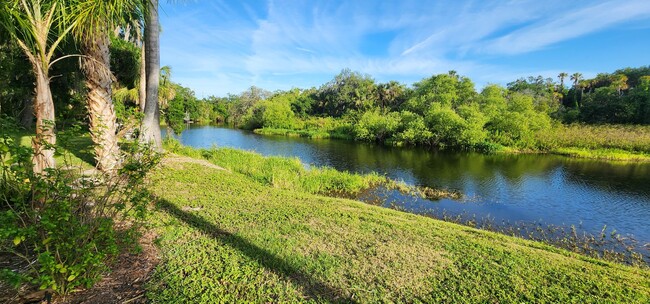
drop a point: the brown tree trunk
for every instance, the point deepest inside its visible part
(45, 139)
(142, 94)
(150, 130)
(103, 122)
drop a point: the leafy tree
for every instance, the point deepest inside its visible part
(562, 76)
(391, 95)
(377, 127)
(446, 89)
(413, 130)
(348, 91)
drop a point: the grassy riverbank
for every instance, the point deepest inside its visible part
(606, 142)
(227, 235)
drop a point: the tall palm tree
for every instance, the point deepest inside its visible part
(562, 76)
(96, 19)
(150, 129)
(576, 77)
(619, 81)
(39, 27)
(166, 90)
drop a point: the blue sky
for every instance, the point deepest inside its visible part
(216, 47)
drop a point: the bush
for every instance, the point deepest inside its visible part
(375, 126)
(413, 130)
(61, 224)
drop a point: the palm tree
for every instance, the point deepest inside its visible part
(562, 76)
(166, 90)
(150, 129)
(95, 19)
(576, 78)
(619, 81)
(38, 27)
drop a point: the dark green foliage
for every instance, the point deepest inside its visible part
(125, 62)
(16, 81)
(348, 91)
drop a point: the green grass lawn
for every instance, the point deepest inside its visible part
(74, 149)
(227, 237)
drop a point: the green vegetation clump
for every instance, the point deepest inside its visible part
(248, 240)
(57, 230)
(282, 172)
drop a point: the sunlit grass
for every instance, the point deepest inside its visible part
(629, 138)
(234, 236)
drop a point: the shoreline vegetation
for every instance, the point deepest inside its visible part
(606, 147)
(261, 235)
(606, 117)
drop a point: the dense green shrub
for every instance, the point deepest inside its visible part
(413, 130)
(61, 224)
(375, 126)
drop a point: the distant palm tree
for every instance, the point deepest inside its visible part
(619, 81)
(166, 90)
(576, 78)
(562, 76)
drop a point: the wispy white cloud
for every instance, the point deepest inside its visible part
(225, 46)
(569, 25)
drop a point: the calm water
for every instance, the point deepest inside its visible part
(545, 189)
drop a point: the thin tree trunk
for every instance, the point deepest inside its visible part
(103, 122)
(45, 139)
(142, 94)
(150, 130)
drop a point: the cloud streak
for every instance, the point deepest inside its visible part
(226, 46)
(570, 25)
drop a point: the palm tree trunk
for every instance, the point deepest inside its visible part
(150, 130)
(142, 95)
(45, 139)
(103, 125)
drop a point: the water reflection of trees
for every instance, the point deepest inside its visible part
(482, 172)
(632, 178)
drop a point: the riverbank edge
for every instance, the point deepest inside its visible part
(607, 154)
(307, 229)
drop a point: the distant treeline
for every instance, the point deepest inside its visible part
(443, 111)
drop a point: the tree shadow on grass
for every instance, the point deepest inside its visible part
(314, 288)
(78, 145)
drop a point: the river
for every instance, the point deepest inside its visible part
(541, 189)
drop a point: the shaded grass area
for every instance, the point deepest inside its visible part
(227, 236)
(74, 147)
